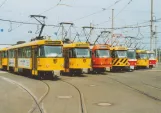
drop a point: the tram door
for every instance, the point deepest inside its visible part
(0, 59)
(34, 60)
(16, 60)
(66, 56)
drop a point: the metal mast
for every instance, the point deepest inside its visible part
(151, 27)
(112, 26)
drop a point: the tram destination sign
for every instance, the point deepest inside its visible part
(53, 42)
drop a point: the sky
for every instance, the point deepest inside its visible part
(80, 13)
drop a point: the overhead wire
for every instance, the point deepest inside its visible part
(3, 3)
(19, 22)
(51, 7)
(124, 27)
(103, 9)
(117, 13)
(40, 14)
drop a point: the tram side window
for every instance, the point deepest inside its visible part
(11, 54)
(24, 52)
(41, 52)
(20, 53)
(4, 54)
(28, 52)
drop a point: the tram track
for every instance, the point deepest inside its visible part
(159, 88)
(36, 101)
(135, 89)
(42, 98)
(82, 105)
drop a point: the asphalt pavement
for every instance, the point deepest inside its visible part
(121, 92)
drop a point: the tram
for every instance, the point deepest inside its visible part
(3, 58)
(152, 59)
(39, 58)
(119, 58)
(101, 58)
(131, 54)
(77, 58)
(142, 59)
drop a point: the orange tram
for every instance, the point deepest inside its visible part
(101, 59)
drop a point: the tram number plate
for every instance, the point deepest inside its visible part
(131, 67)
(107, 69)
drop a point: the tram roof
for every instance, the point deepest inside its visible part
(37, 42)
(141, 51)
(150, 52)
(4, 49)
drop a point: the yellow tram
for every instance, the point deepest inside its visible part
(142, 59)
(119, 58)
(3, 58)
(77, 58)
(40, 58)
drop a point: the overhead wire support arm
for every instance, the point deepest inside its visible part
(102, 32)
(69, 23)
(64, 36)
(88, 34)
(42, 23)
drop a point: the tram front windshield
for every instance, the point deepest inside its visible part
(121, 54)
(82, 52)
(142, 56)
(50, 51)
(131, 54)
(102, 53)
(151, 56)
